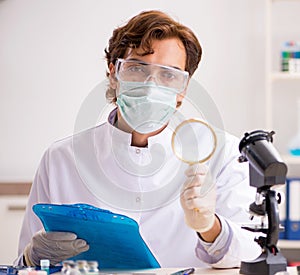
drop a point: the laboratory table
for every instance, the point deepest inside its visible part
(169, 271)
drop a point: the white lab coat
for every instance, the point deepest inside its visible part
(99, 167)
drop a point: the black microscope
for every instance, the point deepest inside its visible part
(266, 170)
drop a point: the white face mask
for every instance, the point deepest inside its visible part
(145, 107)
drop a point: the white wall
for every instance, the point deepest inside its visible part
(51, 57)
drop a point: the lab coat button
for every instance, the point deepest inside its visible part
(137, 150)
(217, 252)
(137, 199)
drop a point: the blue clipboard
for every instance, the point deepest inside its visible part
(114, 239)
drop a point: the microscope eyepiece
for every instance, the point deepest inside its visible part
(266, 166)
(252, 137)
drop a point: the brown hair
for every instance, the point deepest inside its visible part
(141, 30)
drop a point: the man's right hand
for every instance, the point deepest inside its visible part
(54, 246)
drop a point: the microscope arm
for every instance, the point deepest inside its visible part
(273, 220)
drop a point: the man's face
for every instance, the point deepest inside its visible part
(168, 52)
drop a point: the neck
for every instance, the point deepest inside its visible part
(137, 139)
(141, 140)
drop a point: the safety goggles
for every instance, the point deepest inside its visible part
(139, 71)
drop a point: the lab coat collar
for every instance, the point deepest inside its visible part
(125, 138)
(121, 136)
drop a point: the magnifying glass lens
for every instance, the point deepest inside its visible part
(194, 141)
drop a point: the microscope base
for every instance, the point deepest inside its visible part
(266, 264)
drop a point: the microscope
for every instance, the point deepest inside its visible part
(266, 170)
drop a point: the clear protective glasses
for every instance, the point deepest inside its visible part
(139, 71)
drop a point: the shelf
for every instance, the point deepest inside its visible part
(272, 75)
(285, 76)
(289, 244)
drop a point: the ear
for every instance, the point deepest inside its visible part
(112, 78)
(179, 98)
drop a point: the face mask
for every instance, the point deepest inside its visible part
(144, 106)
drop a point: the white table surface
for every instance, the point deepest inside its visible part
(169, 271)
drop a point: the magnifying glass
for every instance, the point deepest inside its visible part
(194, 141)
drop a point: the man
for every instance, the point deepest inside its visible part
(150, 62)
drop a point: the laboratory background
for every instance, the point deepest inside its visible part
(52, 57)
